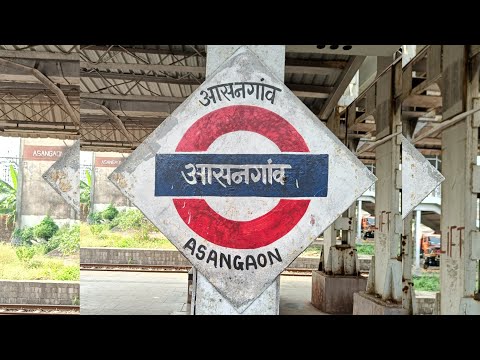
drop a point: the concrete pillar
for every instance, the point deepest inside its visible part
(418, 237)
(206, 299)
(353, 225)
(329, 240)
(359, 221)
(385, 278)
(18, 222)
(387, 236)
(407, 258)
(460, 237)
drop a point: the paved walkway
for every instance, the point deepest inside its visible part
(139, 293)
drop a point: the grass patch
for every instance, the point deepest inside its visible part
(312, 251)
(100, 235)
(427, 282)
(362, 249)
(31, 264)
(365, 249)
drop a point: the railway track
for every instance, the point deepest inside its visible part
(170, 269)
(135, 268)
(23, 309)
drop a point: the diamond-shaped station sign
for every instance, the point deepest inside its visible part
(63, 175)
(419, 177)
(242, 177)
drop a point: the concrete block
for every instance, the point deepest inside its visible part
(333, 294)
(367, 304)
(425, 302)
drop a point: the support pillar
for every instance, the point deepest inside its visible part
(206, 300)
(408, 291)
(329, 240)
(384, 289)
(387, 278)
(339, 277)
(359, 221)
(418, 237)
(460, 236)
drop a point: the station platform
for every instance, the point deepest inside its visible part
(141, 293)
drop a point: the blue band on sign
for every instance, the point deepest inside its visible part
(261, 175)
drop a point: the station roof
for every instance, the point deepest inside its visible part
(39, 91)
(142, 84)
(123, 92)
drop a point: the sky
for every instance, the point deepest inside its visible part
(86, 157)
(9, 146)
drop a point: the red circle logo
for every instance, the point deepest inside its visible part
(206, 222)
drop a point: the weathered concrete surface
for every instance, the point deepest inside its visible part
(139, 293)
(132, 256)
(459, 229)
(101, 255)
(42, 292)
(135, 178)
(425, 301)
(64, 176)
(104, 192)
(419, 177)
(366, 304)
(268, 54)
(333, 294)
(132, 293)
(209, 301)
(387, 277)
(37, 197)
(274, 57)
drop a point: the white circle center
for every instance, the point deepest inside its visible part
(242, 208)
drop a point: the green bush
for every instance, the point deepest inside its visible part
(427, 282)
(95, 217)
(52, 244)
(68, 273)
(132, 219)
(25, 253)
(67, 240)
(46, 229)
(56, 270)
(96, 229)
(25, 235)
(70, 240)
(109, 213)
(365, 249)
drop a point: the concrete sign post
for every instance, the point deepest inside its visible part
(205, 299)
(242, 177)
(63, 176)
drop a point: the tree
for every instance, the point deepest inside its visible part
(85, 189)
(8, 198)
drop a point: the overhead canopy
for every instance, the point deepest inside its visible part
(137, 87)
(123, 92)
(39, 91)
